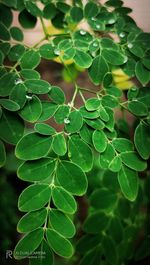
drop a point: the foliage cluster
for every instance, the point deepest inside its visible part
(95, 154)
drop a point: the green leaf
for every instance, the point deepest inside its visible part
(32, 220)
(61, 114)
(96, 222)
(61, 223)
(115, 164)
(90, 10)
(66, 49)
(16, 33)
(72, 178)
(37, 86)
(49, 11)
(6, 15)
(80, 153)
(36, 170)
(92, 257)
(32, 109)
(34, 197)
(13, 125)
(9, 104)
(116, 229)
(30, 59)
(18, 94)
(44, 129)
(26, 20)
(30, 74)
(114, 57)
(47, 51)
(71, 124)
(109, 249)
(28, 244)
(103, 199)
(143, 249)
(142, 140)
(60, 245)
(7, 83)
(4, 33)
(33, 9)
(33, 146)
(92, 104)
(103, 114)
(82, 59)
(57, 95)
(109, 101)
(59, 144)
(99, 141)
(142, 74)
(128, 181)
(2, 154)
(95, 124)
(89, 114)
(86, 134)
(107, 156)
(76, 14)
(16, 52)
(43, 255)
(122, 144)
(63, 200)
(48, 110)
(98, 69)
(138, 108)
(133, 161)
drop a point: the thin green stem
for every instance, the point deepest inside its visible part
(88, 90)
(39, 42)
(44, 27)
(82, 96)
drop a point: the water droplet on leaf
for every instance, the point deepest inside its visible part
(66, 121)
(82, 32)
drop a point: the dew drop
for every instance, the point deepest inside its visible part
(93, 19)
(18, 81)
(133, 89)
(98, 26)
(28, 97)
(66, 121)
(122, 35)
(111, 21)
(130, 45)
(95, 44)
(57, 52)
(82, 32)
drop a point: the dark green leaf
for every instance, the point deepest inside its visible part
(18, 94)
(13, 125)
(138, 108)
(90, 10)
(28, 244)
(98, 70)
(92, 104)
(107, 156)
(16, 33)
(99, 141)
(30, 74)
(33, 9)
(61, 114)
(43, 255)
(47, 51)
(49, 11)
(128, 181)
(33, 146)
(133, 161)
(122, 144)
(32, 109)
(115, 164)
(16, 52)
(9, 104)
(36, 170)
(37, 86)
(103, 199)
(63, 200)
(30, 59)
(109, 249)
(4, 33)
(142, 74)
(96, 222)
(48, 110)
(82, 59)
(2, 154)
(26, 20)
(61, 223)
(57, 95)
(59, 144)
(71, 123)
(7, 82)
(32, 220)
(44, 129)
(72, 178)
(34, 197)
(76, 14)
(80, 153)
(142, 140)
(6, 16)
(59, 244)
